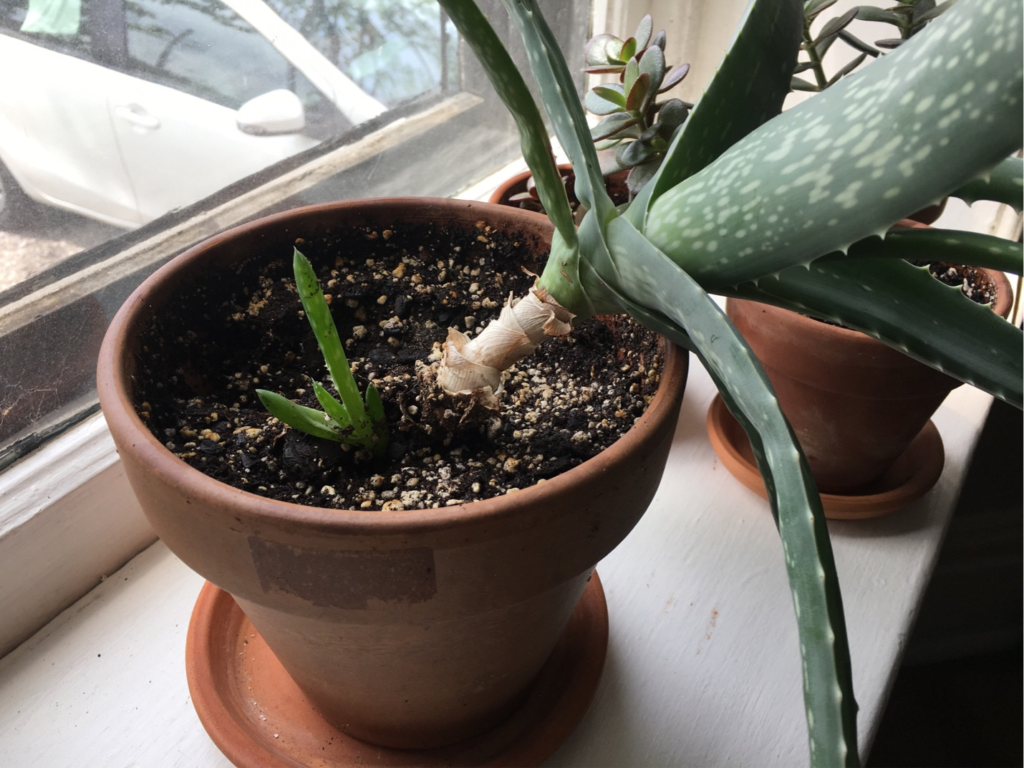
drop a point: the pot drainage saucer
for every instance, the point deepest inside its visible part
(908, 479)
(257, 716)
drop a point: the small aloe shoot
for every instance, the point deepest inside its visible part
(352, 420)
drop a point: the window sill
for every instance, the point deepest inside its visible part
(702, 667)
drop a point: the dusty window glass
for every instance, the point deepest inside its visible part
(135, 128)
(395, 52)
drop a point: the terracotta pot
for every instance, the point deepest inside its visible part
(930, 214)
(615, 184)
(409, 629)
(855, 404)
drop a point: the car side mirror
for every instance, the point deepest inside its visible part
(272, 114)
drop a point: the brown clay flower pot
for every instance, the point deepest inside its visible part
(855, 404)
(615, 184)
(413, 628)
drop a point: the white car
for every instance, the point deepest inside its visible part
(123, 110)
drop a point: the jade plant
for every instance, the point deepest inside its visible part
(633, 123)
(790, 208)
(908, 17)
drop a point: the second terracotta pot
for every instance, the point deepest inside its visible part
(854, 403)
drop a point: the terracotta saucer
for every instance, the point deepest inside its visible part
(258, 717)
(908, 479)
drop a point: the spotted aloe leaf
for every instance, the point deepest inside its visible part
(1005, 184)
(967, 248)
(514, 93)
(684, 312)
(897, 303)
(833, 169)
(749, 88)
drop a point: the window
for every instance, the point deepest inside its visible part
(204, 49)
(134, 116)
(120, 147)
(394, 51)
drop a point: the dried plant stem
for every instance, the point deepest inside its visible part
(474, 366)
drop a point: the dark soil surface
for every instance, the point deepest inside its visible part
(393, 295)
(972, 281)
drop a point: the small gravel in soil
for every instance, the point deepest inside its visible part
(393, 294)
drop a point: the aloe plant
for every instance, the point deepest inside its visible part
(792, 209)
(352, 420)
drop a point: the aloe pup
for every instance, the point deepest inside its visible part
(352, 420)
(791, 209)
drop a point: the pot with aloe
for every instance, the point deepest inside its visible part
(791, 209)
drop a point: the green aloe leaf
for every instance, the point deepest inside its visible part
(511, 88)
(648, 278)
(897, 303)
(1004, 185)
(834, 170)
(558, 92)
(749, 88)
(374, 406)
(322, 323)
(969, 248)
(335, 410)
(308, 420)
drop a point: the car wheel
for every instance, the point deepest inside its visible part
(13, 202)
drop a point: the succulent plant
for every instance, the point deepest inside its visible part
(353, 420)
(908, 17)
(791, 208)
(635, 124)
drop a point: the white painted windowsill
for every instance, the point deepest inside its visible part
(703, 665)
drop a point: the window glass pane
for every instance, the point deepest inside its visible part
(203, 48)
(63, 25)
(393, 50)
(130, 132)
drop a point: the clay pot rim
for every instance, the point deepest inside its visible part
(112, 381)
